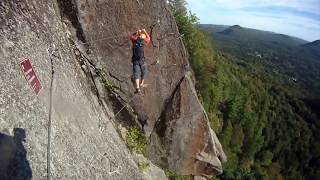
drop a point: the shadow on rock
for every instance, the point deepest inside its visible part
(13, 157)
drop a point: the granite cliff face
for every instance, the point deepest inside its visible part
(87, 45)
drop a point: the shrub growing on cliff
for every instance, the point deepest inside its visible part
(143, 166)
(173, 176)
(136, 140)
(110, 85)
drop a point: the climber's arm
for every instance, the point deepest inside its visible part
(147, 37)
(134, 37)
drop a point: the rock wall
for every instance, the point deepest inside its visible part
(106, 26)
(182, 139)
(85, 143)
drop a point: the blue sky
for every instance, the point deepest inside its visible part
(299, 18)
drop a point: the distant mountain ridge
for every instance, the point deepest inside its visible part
(315, 43)
(231, 29)
(237, 30)
(313, 47)
(291, 60)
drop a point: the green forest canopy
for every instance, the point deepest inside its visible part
(266, 131)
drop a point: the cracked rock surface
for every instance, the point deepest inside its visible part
(85, 142)
(191, 147)
(182, 139)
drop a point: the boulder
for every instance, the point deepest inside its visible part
(182, 139)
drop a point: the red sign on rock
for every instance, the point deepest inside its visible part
(30, 75)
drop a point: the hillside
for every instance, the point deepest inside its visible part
(267, 124)
(313, 48)
(74, 115)
(289, 60)
(240, 33)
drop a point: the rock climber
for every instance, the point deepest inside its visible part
(140, 40)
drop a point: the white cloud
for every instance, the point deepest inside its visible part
(311, 6)
(292, 17)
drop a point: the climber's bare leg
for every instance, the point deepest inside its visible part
(137, 83)
(141, 82)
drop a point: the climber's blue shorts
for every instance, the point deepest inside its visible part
(139, 71)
